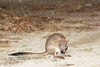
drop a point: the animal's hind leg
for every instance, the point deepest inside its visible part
(61, 57)
(65, 55)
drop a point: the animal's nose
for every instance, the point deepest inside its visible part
(63, 52)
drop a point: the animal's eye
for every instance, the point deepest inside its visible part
(59, 44)
(65, 45)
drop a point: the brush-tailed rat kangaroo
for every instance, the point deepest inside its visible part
(55, 44)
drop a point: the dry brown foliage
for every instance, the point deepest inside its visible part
(12, 23)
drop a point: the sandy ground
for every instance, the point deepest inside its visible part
(84, 47)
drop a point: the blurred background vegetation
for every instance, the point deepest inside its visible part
(33, 15)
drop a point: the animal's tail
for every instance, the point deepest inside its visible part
(27, 53)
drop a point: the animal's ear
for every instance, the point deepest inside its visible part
(66, 48)
(59, 38)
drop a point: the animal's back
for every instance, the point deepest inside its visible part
(54, 38)
(53, 42)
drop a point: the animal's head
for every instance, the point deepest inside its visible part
(63, 45)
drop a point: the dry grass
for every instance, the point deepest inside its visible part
(13, 20)
(28, 24)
